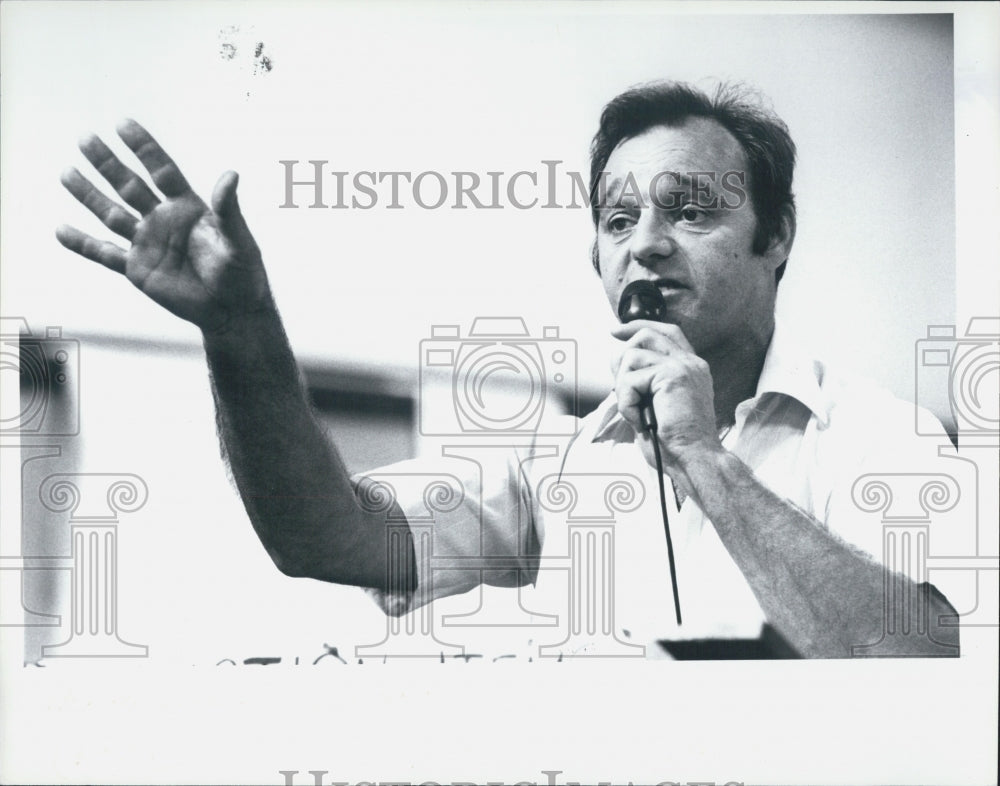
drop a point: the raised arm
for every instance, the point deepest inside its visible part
(200, 262)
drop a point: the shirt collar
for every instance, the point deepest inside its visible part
(788, 371)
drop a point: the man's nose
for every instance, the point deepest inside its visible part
(652, 239)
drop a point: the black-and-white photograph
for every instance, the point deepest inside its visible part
(387, 386)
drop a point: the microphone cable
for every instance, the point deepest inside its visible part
(643, 300)
(651, 428)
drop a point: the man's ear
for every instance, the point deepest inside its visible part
(595, 257)
(780, 247)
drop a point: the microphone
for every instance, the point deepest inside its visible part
(643, 300)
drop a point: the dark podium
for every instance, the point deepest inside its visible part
(770, 645)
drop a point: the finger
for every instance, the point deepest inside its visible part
(127, 183)
(108, 254)
(632, 391)
(626, 330)
(635, 359)
(112, 215)
(669, 331)
(651, 338)
(161, 167)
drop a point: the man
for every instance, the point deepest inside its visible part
(761, 443)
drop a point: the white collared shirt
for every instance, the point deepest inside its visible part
(576, 523)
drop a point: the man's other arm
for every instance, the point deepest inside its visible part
(822, 594)
(825, 596)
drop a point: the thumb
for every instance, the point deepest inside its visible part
(226, 206)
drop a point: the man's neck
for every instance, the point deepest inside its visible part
(735, 372)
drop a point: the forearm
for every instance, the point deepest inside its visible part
(822, 594)
(293, 483)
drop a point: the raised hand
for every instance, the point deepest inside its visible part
(198, 261)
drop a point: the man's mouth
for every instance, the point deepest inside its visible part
(669, 285)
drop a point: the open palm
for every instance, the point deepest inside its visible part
(198, 261)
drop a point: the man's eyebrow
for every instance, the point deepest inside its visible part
(613, 191)
(667, 178)
(694, 185)
(612, 196)
(687, 181)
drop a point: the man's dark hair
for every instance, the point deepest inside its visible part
(763, 136)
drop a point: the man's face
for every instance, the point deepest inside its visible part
(696, 245)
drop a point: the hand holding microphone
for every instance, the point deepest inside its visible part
(659, 364)
(643, 300)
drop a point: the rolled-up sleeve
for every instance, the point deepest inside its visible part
(457, 511)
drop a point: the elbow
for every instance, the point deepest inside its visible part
(307, 564)
(944, 625)
(926, 627)
(294, 566)
(940, 631)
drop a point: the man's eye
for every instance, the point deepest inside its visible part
(619, 223)
(692, 215)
